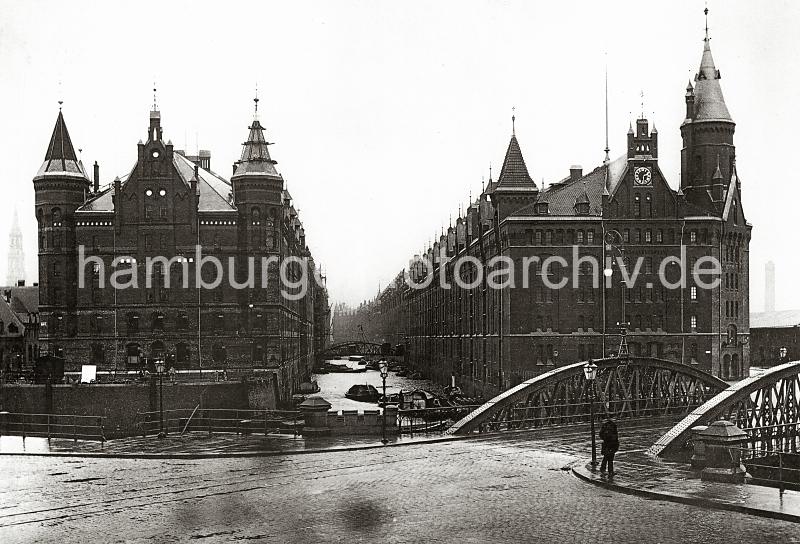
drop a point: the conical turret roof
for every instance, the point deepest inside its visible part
(514, 173)
(255, 159)
(709, 102)
(60, 159)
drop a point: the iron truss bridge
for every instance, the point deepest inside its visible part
(351, 348)
(634, 387)
(765, 406)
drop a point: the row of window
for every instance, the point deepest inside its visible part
(732, 281)
(637, 236)
(731, 308)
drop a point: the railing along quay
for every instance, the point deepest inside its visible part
(49, 426)
(430, 420)
(772, 468)
(219, 420)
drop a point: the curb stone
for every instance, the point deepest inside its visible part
(581, 473)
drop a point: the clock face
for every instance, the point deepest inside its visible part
(643, 176)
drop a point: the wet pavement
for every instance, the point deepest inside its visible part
(516, 487)
(639, 472)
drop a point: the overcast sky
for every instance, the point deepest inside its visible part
(385, 115)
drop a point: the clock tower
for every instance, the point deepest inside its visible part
(642, 153)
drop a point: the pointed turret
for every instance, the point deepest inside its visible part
(708, 150)
(60, 158)
(709, 102)
(514, 188)
(514, 171)
(255, 160)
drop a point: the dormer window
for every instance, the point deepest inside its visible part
(542, 208)
(582, 208)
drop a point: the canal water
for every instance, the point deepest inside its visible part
(334, 385)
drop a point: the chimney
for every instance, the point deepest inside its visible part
(7, 295)
(20, 283)
(575, 172)
(769, 287)
(204, 159)
(96, 177)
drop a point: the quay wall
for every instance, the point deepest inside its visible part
(120, 403)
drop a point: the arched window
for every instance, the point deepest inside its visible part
(255, 215)
(182, 352)
(133, 354)
(157, 321)
(96, 324)
(133, 323)
(258, 352)
(57, 324)
(637, 206)
(98, 354)
(726, 366)
(219, 353)
(732, 335)
(56, 217)
(648, 206)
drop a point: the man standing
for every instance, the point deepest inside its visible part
(608, 434)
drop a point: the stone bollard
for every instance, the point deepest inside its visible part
(391, 419)
(723, 458)
(698, 459)
(315, 415)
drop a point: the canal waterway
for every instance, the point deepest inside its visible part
(334, 385)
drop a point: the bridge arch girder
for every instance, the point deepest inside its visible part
(351, 348)
(767, 406)
(632, 387)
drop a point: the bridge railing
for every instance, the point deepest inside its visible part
(779, 469)
(49, 426)
(430, 420)
(219, 420)
(577, 413)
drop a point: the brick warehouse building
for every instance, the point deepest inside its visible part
(165, 206)
(492, 339)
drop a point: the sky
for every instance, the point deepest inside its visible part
(387, 115)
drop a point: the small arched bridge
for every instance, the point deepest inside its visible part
(636, 387)
(766, 406)
(353, 348)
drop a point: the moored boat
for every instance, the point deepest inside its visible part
(363, 393)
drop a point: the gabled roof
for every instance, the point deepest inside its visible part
(708, 99)
(25, 299)
(255, 159)
(60, 159)
(561, 197)
(8, 316)
(215, 191)
(514, 173)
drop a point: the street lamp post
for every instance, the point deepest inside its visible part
(613, 241)
(160, 372)
(590, 372)
(384, 368)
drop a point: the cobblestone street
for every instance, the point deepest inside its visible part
(513, 488)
